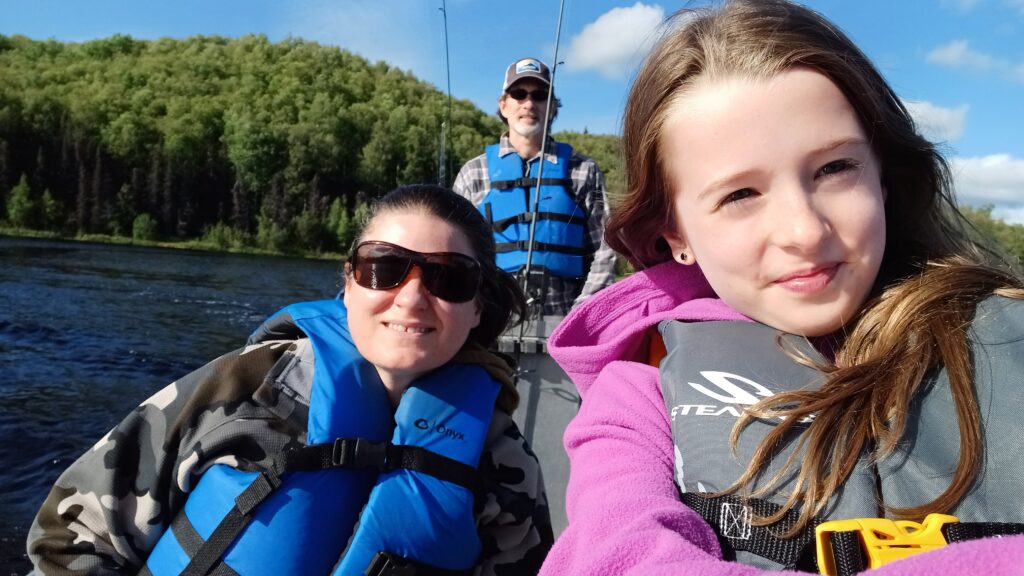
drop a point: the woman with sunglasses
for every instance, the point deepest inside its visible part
(375, 429)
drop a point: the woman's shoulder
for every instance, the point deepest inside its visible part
(508, 466)
(507, 449)
(512, 507)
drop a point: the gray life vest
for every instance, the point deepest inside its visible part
(713, 370)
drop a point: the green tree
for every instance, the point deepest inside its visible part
(144, 227)
(1008, 237)
(124, 210)
(311, 230)
(22, 210)
(52, 212)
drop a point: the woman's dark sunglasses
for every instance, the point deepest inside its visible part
(448, 275)
(520, 94)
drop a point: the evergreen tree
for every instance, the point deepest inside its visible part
(124, 210)
(52, 212)
(22, 209)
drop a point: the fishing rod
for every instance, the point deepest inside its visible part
(446, 125)
(540, 165)
(534, 400)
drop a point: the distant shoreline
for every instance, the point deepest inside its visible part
(193, 245)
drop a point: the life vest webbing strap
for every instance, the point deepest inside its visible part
(191, 542)
(540, 247)
(422, 460)
(527, 217)
(731, 517)
(381, 456)
(212, 550)
(342, 453)
(847, 554)
(388, 564)
(960, 531)
(186, 535)
(529, 182)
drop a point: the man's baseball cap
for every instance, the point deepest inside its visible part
(526, 68)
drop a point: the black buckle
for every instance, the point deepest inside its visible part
(387, 564)
(343, 453)
(359, 453)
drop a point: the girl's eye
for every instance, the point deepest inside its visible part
(737, 196)
(838, 166)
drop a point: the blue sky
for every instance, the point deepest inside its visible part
(959, 64)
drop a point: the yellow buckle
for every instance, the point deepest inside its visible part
(883, 540)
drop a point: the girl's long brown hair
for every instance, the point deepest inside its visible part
(933, 274)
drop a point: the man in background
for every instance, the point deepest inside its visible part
(569, 260)
(566, 262)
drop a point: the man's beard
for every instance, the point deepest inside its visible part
(528, 130)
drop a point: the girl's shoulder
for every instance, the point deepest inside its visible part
(998, 320)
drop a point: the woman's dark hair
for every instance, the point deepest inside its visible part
(502, 304)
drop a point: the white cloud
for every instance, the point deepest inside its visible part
(997, 179)
(959, 55)
(614, 42)
(936, 123)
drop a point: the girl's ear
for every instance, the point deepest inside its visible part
(679, 247)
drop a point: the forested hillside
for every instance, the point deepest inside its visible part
(242, 142)
(238, 143)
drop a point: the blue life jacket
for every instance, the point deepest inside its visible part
(411, 497)
(561, 221)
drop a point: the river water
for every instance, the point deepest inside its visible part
(88, 331)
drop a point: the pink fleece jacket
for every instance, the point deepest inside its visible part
(625, 516)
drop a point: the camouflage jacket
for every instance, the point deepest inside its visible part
(107, 511)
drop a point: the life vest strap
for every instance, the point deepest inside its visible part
(191, 542)
(527, 217)
(342, 453)
(731, 517)
(539, 247)
(381, 456)
(847, 555)
(530, 182)
(212, 550)
(960, 531)
(389, 564)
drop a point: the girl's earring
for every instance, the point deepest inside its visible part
(683, 257)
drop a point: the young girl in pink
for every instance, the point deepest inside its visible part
(812, 334)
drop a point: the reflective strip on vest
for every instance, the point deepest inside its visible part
(561, 223)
